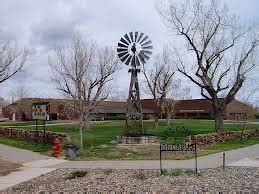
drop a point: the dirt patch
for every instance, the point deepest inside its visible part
(7, 167)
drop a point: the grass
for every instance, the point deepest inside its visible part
(29, 145)
(98, 141)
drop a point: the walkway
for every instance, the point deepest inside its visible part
(35, 164)
(208, 161)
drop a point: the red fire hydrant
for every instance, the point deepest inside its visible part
(56, 147)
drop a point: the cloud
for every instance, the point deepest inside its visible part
(42, 24)
(49, 33)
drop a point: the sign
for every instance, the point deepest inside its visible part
(177, 149)
(40, 111)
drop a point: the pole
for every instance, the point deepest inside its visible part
(44, 132)
(196, 164)
(160, 159)
(36, 123)
(224, 160)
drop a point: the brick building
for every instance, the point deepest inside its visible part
(186, 109)
(202, 108)
(22, 109)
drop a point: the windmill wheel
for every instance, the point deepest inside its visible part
(134, 49)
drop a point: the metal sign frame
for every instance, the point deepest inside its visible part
(179, 149)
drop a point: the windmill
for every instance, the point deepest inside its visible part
(134, 49)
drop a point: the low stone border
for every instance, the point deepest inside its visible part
(33, 135)
(210, 138)
(136, 140)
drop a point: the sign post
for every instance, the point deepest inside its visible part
(40, 111)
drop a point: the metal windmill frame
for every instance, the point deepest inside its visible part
(134, 49)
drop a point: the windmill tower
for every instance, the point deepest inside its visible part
(134, 49)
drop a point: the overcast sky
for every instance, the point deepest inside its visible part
(41, 24)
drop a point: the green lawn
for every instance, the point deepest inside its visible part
(98, 145)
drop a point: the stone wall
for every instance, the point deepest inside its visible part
(136, 140)
(203, 139)
(33, 135)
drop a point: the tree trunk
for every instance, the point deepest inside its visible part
(168, 119)
(156, 114)
(219, 116)
(81, 136)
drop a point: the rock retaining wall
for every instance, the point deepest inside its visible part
(203, 139)
(136, 140)
(33, 135)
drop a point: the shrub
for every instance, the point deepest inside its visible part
(176, 172)
(199, 173)
(107, 171)
(190, 172)
(163, 172)
(75, 174)
(134, 129)
(140, 175)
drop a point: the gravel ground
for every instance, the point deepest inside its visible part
(97, 180)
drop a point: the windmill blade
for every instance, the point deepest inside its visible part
(142, 59)
(124, 41)
(131, 36)
(123, 59)
(122, 54)
(147, 52)
(144, 54)
(127, 37)
(136, 36)
(147, 47)
(141, 35)
(144, 39)
(122, 50)
(128, 60)
(146, 43)
(122, 45)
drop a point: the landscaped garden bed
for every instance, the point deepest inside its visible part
(233, 179)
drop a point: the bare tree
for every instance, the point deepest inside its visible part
(247, 109)
(159, 80)
(220, 49)
(83, 72)
(12, 60)
(176, 93)
(18, 93)
(3, 103)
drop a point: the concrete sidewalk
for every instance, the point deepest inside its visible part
(208, 161)
(19, 155)
(33, 165)
(29, 171)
